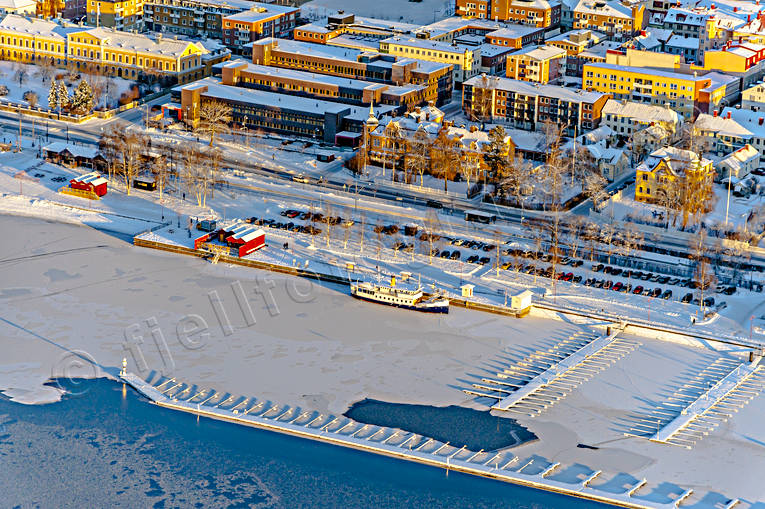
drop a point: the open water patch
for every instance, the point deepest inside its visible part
(454, 424)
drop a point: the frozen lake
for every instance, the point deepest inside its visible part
(74, 301)
(109, 447)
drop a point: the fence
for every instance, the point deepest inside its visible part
(90, 195)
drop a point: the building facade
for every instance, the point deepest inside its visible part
(122, 54)
(528, 106)
(350, 63)
(196, 18)
(259, 22)
(465, 60)
(540, 64)
(118, 14)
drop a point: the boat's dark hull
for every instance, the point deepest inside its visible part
(424, 309)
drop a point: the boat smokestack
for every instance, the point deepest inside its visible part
(392, 281)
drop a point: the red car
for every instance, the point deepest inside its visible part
(638, 290)
(617, 286)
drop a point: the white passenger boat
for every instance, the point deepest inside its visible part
(402, 297)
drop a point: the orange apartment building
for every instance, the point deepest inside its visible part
(538, 13)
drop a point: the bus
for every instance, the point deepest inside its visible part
(478, 216)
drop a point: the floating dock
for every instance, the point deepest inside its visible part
(340, 430)
(538, 381)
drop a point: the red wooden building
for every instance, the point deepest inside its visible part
(90, 182)
(242, 238)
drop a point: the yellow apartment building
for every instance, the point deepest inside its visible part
(119, 14)
(115, 53)
(540, 64)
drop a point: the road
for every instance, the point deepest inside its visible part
(89, 132)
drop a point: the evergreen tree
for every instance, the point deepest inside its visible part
(63, 95)
(53, 102)
(82, 102)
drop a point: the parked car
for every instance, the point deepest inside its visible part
(608, 284)
(597, 268)
(472, 259)
(709, 301)
(577, 263)
(626, 288)
(445, 253)
(666, 295)
(455, 255)
(618, 286)
(663, 280)
(687, 298)
(484, 260)
(637, 275)
(638, 290)
(598, 283)
(616, 271)
(577, 279)
(656, 292)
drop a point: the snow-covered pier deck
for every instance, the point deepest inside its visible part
(340, 430)
(715, 404)
(544, 377)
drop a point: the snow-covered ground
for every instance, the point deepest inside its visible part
(738, 209)
(32, 81)
(72, 294)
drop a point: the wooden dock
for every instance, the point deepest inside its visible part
(396, 443)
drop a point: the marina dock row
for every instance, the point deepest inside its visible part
(342, 431)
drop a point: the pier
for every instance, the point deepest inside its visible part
(397, 443)
(538, 381)
(702, 402)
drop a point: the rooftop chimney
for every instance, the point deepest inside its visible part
(761, 119)
(729, 115)
(715, 113)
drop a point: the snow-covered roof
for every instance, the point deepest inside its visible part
(613, 8)
(261, 12)
(536, 89)
(37, 27)
(641, 112)
(324, 79)
(738, 160)
(721, 126)
(581, 37)
(647, 71)
(16, 4)
(514, 31)
(676, 159)
(58, 147)
(541, 52)
(753, 121)
(91, 178)
(679, 41)
(427, 44)
(246, 232)
(142, 43)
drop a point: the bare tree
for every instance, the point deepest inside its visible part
(417, 160)
(607, 232)
(45, 69)
(214, 118)
(591, 235)
(20, 73)
(32, 98)
(130, 146)
(703, 275)
(481, 105)
(628, 239)
(445, 156)
(574, 232)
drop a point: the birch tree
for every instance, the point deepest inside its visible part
(214, 118)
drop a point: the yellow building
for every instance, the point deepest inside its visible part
(466, 60)
(119, 14)
(115, 53)
(540, 64)
(677, 179)
(611, 17)
(685, 93)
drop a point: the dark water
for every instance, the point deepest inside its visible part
(456, 425)
(105, 448)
